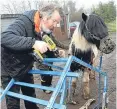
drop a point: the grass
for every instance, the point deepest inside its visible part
(112, 26)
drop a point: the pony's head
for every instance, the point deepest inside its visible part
(95, 31)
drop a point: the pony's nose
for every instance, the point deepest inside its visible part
(107, 45)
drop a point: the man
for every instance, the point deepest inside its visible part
(17, 42)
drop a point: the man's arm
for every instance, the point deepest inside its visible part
(58, 43)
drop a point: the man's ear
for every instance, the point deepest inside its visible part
(84, 17)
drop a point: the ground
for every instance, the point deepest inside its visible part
(108, 65)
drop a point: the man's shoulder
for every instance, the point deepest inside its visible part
(30, 12)
(27, 16)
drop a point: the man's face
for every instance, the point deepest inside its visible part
(50, 23)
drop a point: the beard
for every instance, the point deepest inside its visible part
(46, 30)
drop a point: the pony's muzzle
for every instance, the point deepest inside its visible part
(107, 45)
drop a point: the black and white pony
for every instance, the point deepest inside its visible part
(89, 37)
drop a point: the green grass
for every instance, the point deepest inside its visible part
(112, 26)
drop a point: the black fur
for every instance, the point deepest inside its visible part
(83, 55)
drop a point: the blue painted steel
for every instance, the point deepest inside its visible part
(35, 86)
(63, 93)
(55, 59)
(31, 99)
(95, 69)
(105, 84)
(89, 66)
(100, 62)
(99, 86)
(69, 85)
(104, 98)
(54, 73)
(59, 84)
(6, 89)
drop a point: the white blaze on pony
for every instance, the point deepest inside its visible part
(89, 37)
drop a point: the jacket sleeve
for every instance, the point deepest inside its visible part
(58, 43)
(15, 38)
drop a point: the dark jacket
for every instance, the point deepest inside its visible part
(16, 46)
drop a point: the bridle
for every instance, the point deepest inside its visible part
(92, 35)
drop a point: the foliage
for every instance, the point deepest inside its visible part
(106, 10)
(111, 26)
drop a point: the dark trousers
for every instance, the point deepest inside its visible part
(14, 103)
(46, 80)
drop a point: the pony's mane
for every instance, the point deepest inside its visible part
(93, 29)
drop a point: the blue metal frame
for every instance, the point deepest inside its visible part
(7, 89)
(99, 86)
(61, 85)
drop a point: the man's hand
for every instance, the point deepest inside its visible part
(41, 46)
(62, 53)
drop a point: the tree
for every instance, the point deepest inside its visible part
(18, 7)
(70, 7)
(14, 7)
(106, 10)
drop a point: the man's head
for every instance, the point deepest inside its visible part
(50, 17)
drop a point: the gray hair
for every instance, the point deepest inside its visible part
(49, 9)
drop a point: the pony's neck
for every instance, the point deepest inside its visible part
(80, 42)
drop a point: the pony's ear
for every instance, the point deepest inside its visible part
(84, 17)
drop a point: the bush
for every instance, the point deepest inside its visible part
(112, 26)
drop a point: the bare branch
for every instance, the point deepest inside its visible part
(7, 8)
(29, 5)
(14, 7)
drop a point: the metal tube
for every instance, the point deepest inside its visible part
(89, 66)
(31, 99)
(54, 73)
(7, 89)
(99, 86)
(59, 84)
(55, 59)
(63, 92)
(104, 100)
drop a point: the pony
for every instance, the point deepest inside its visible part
(89, 37)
